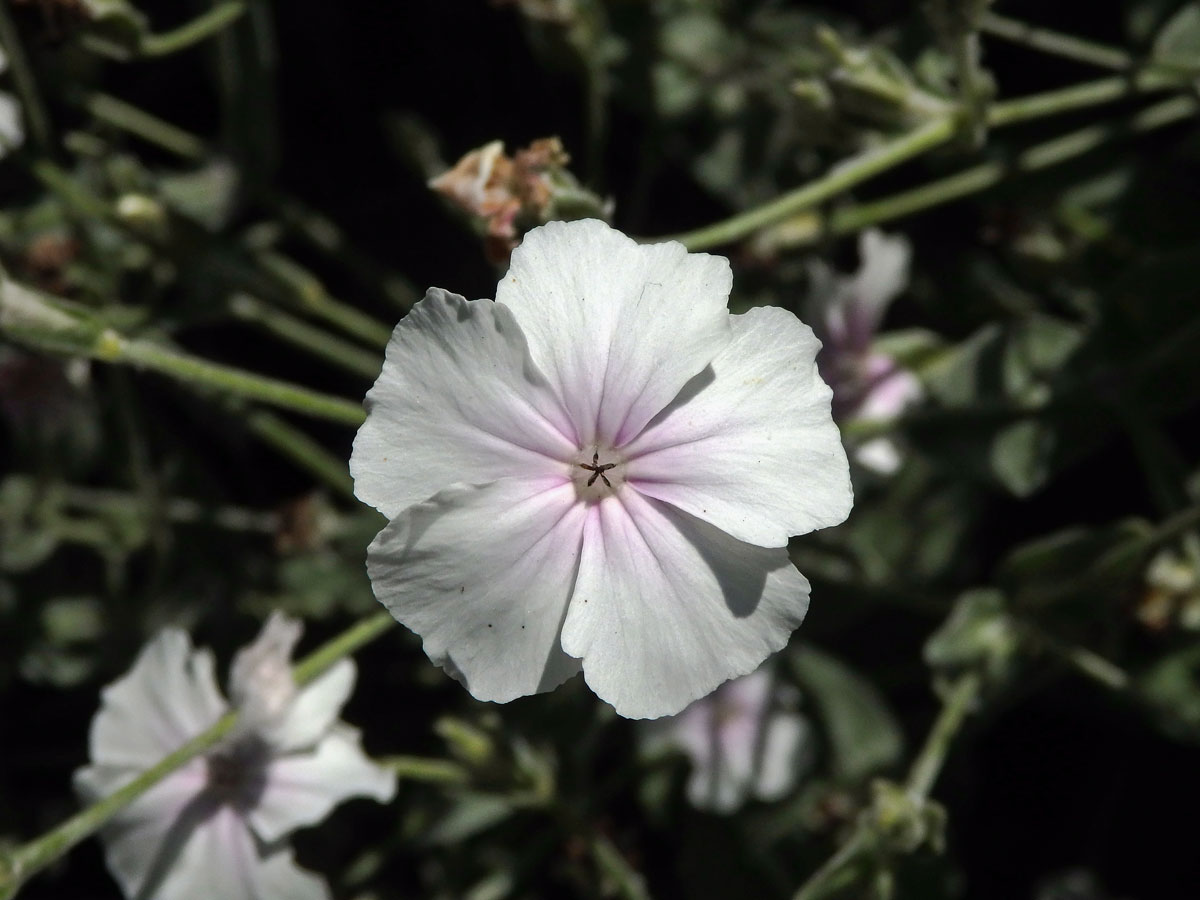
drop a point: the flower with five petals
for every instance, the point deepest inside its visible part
(599, 470)
(744, 740)
(218, 825)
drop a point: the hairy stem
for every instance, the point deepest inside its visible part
(1054, 42)
(978, 178)
(30, 318)
(292, 443)
(928, 136)
(136, 121)
(350, 357)
(955, 706)
(198, 29)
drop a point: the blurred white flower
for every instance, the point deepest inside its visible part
(599, 471)
(12, 132)
(217, 827)
(744, 740)
(846, 312)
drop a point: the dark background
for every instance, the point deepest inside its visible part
(1057, 777)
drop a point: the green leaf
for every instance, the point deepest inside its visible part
(978, 635)
(994, 391)
(467, 816)
(864, 737)
(1171, 691)
(1178, 41)
(1061, 565)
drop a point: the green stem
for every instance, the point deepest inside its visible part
(837, 871)
(200, 28)
(1081, 96)
(138, 122)
(312, 297)
(922, 139)
(978, 178)
(34, 856)
(842, 177)
(344, 644)
(111, 347)
(323, 234)
(30, 318)
(628, 881)
(419, 768)
(24, 81)
(302, 450)
(1065, 45)
(315, 228)
(832, 876)
(1086, 662)
(955, 707)
(31, 858)
(77, 198)
(299, 333)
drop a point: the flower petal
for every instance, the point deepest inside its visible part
(882, 274)
(846, 310)
(301, 789)
(219, 857)
(666, 606)
(721, 734)
(784, 756)
(145, 843)
(315, 708)
(261, 685)
(751, 446)
(618, 327)
(458, 400)
(483, 574)
(12, 133)
(277, 875)
(168, 697)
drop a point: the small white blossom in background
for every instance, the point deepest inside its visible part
(599, 470)
(217, 827)
(846, 312)
(745, 740)
(12, 132)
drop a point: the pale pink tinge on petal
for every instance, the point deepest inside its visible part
(890, 389)
(168, 697)
(260, 680)
(750, 445)
(740, 742)
(301, 789)
(785, 755)
(459, 401)
(666, 606)
(143, 840)
(882, 276)
(315, 708)
(483, 574)
(618, 327)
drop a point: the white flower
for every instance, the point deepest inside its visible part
(12, 133)
(742, 739)
(217, 826)
(598, 470)
(846, 312)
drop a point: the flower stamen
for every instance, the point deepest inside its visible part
(597, 470)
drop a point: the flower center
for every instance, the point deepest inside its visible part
(598, 475)
(237, 773)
